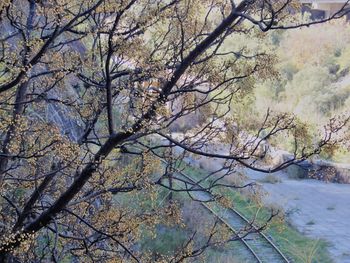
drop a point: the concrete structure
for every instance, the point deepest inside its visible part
(329, 7)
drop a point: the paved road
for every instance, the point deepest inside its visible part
(318, 209)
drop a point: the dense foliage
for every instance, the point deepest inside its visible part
(314, 77)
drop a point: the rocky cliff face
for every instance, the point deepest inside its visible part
(61, 117)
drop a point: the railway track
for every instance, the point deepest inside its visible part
(260, 247)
